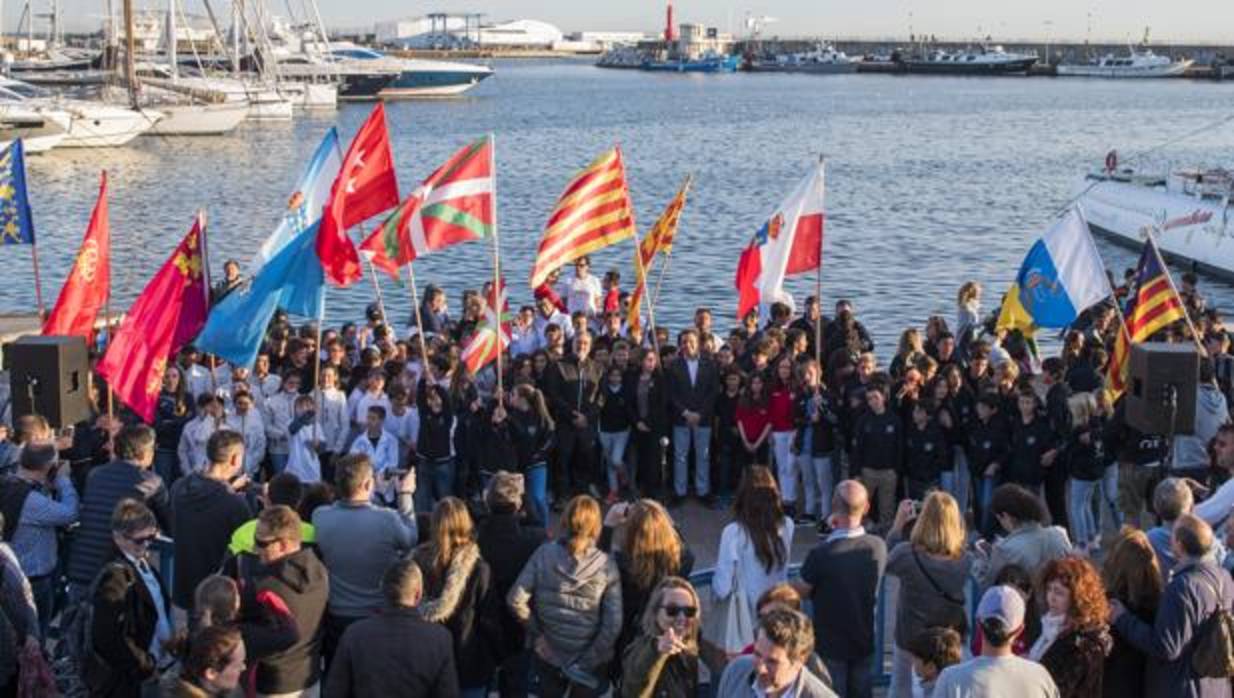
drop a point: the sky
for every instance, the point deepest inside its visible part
(1194, 20)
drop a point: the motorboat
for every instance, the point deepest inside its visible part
(92, 124)
(987, 60)
(416, 77)
(1188, 211)
(706, 63)
(823, 59)
(1137, 63)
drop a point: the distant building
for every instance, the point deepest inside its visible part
(599, 42)
(454, 31)
(695, 40)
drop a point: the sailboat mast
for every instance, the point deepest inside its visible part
(130, 48)
(173, 60)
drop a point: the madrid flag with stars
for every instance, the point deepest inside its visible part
(170, 311)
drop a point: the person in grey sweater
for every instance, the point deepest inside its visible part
(1211, 411)
(1029, 543)
(358, 541)
(782, 645)
(569, 596)
(1198, 588)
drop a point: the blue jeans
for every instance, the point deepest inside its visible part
(682, 436)
(851, 678)
(817, 481)
(955, 481)
(434, 481)
(613, 448)
(986, 494)
(1109, 495)
(537, 491)
(1080, 510)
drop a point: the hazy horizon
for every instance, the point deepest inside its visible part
(1208, 21)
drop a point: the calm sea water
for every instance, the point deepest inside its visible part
(932, 181)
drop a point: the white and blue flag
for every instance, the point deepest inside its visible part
(1062, 274)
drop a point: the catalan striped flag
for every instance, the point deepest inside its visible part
(1153, 307)
(492, 334)
(593, 212)
(658, 239)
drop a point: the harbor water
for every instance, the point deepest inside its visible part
(931, 181)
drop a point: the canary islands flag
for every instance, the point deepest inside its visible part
(1061, 276)
(16, 223)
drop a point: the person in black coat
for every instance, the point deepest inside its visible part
(396, 652)
(131, 621)
(1033, 445)
(128, 477)
(926, 454)
(526, 428)
(1058, 414)
(647, 388)
(507, 542)
(693, 385)
(570, 387)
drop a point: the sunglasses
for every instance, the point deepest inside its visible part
(143, 540)
(264, 543)
(674, 611)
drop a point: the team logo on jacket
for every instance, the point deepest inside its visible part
(1031, 440)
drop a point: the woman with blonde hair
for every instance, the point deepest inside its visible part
(1130, 575)
(911, 348)
(967, 315)
(574, 591)
(456, 593)
(650, 551)
(663, 660)
(1085, 454)
(933, 568)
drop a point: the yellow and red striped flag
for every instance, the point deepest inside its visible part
(658, 239)
(1153, 307)
(593, 212)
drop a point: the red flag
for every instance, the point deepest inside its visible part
(749, 267)
(85, 290)
(170, 311)
(365, 186)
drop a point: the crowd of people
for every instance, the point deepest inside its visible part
(359, 515)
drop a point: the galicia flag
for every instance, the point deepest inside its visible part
(789, 243)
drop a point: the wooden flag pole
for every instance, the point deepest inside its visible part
(205, 285)
(1195, 336)
(642, 271)
(321, 320)
(497, 292)
(38, 281)
(111, 335)
(381, 305)
(818, 275)
(415, 306)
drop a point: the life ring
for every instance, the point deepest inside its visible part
(1111, 161)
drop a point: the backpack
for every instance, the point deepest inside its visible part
(13, 494)
(77, 625)
(1213, 657)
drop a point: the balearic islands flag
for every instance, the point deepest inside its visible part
(455, 204)
(85, 290)
(593, 212)
(789, 243)
(167, 315)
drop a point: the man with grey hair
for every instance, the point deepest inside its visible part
(777, 667)
(395, 652)
(1197, 589)
(841, 576)
(1172, 498)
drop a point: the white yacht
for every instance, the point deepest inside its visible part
(1138, 63)
(40, 128)
(1189, 211)
(823, 59)
(92, 124)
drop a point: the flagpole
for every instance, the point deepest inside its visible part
(38, 282)
(415, 306)
(111, 334)
(668, 256)
(321, 320)
(1195, 336)
(642, 268)
(818, 273)
(492, 154)
(381, 305)
(205, 286)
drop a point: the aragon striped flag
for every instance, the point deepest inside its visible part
(593, 212)
(658, 239)
(1152, 307)
(455, 204)
(492, 334)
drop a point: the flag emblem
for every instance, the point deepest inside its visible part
(88, 261)
(154, 381)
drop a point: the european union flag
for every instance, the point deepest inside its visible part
(293, 280)
(16, 223)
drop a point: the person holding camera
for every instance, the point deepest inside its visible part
(36, 502)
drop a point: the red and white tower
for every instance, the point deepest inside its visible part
(670, 31)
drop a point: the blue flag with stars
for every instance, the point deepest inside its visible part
(16, 223)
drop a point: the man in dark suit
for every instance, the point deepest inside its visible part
(693, 384)
(132, 612)
(127, 477)
(396, 652)
(571, 386)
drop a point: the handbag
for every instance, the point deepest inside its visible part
(730, 624)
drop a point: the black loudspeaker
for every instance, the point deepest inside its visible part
(49, 376)
(1161, 374)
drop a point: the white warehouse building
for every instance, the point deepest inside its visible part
(419, 33)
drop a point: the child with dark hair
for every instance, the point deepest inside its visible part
(934, 649)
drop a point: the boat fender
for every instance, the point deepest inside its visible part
(1111, 161)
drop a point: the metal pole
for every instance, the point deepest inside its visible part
(497, 294)
(377, 288)
(818, 274)
(415, 306)
(38, 282)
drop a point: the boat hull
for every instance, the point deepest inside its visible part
(361, 87)
(38, 130)
(944, 68)
(199, 119)
(1194, 231)
(431, 83)
(95, 128)
(808, 68)
(1172, 70)
(728, 64)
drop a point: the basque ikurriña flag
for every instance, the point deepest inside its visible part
(167, 315)
(492, 334)
(455, 204)
(16, 221)
(89, 282)
(789, 243)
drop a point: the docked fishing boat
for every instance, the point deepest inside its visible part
(626, 57)
(1138, 63)
(987, 60)
(823, 59)
(1189, 210)
(706, 63)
